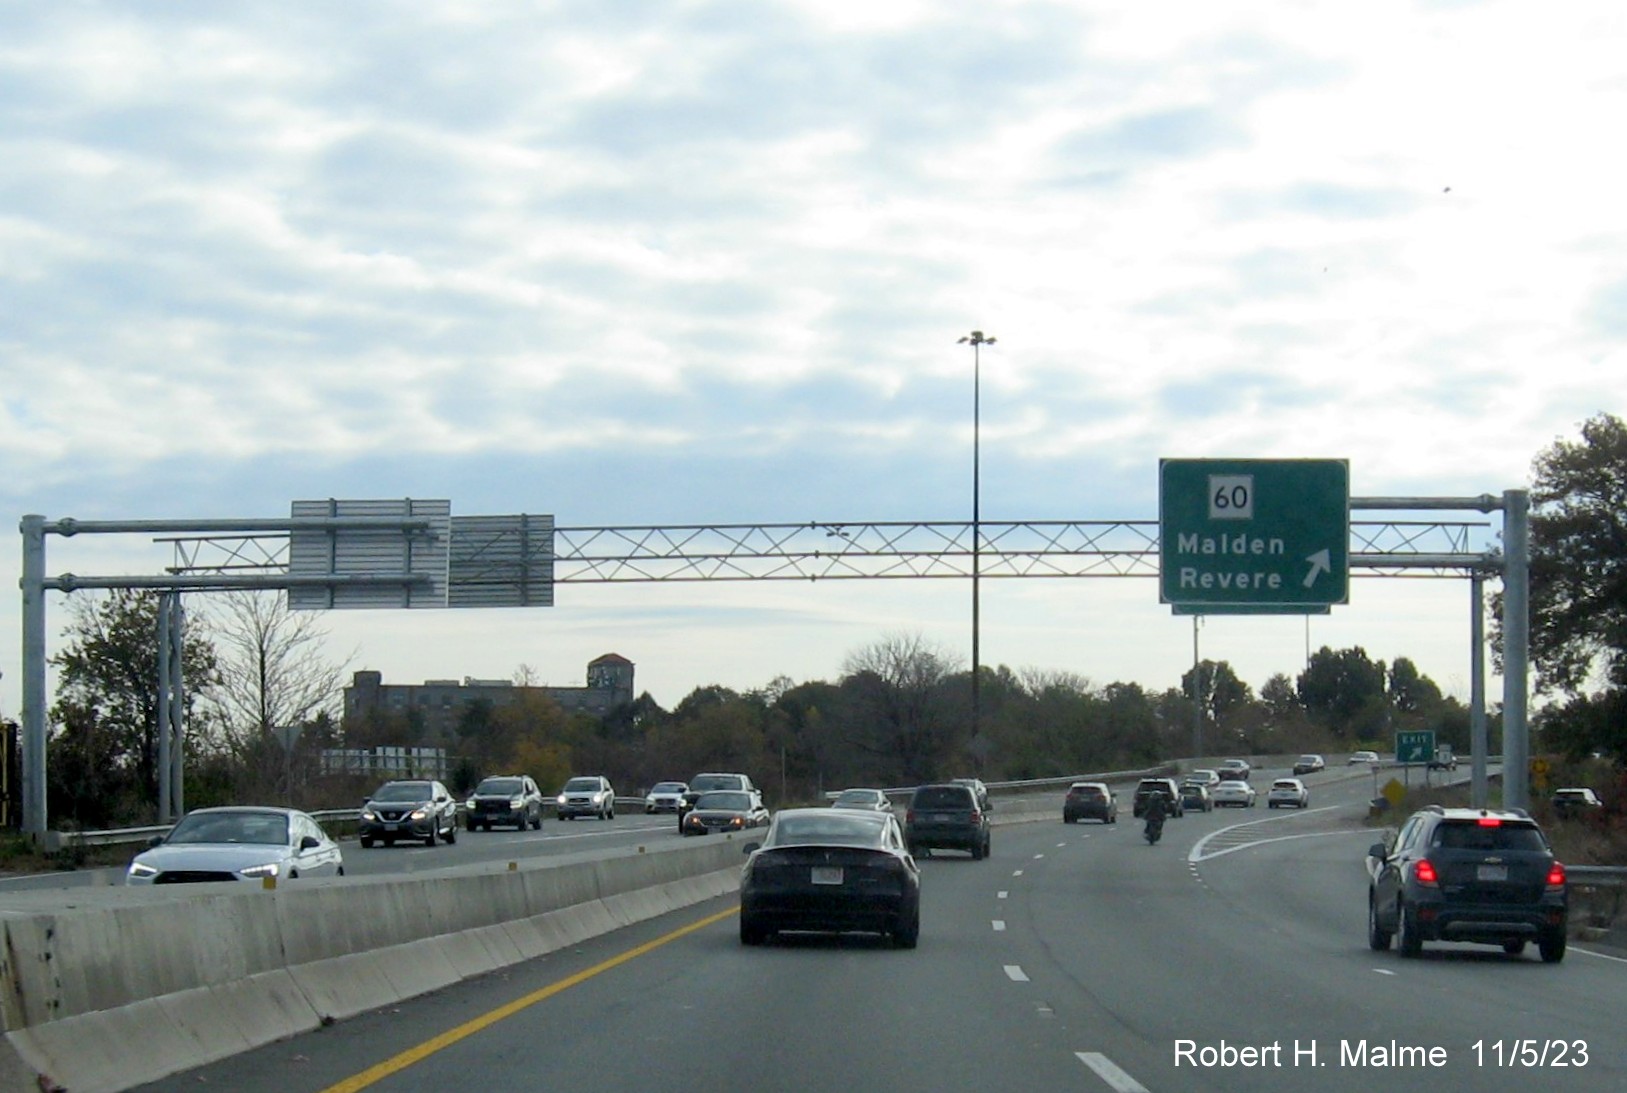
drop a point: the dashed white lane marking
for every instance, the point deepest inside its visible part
(999, 925)
(1015, 973)
(1017, 873)
(1001, 894)
(1110, 1072)
(1383, 971)
(1037, 857)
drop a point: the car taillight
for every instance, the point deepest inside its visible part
(1556, 875)
(977, 817)
(1424, 873)
(1489, 821)
(909, 815)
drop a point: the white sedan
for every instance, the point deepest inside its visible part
(235, 844)
(1233, 792)
(1287, 793)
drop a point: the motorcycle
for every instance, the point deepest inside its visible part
(1154, 829)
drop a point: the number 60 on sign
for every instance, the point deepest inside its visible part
(1231, 497)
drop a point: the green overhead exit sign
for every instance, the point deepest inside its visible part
(1255, 536)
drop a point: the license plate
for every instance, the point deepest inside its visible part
(1491, 872)
(391, 827)
(827, 874)
(941, 817)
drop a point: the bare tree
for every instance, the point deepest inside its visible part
(274, 672)
(905, 719)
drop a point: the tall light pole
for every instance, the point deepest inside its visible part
(977, 340)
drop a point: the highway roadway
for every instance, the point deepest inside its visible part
(1230, 957)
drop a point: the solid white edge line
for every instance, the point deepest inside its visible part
(1595, 952)
(1196, 854)
(1108, 1071)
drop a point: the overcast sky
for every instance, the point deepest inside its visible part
(672, 263)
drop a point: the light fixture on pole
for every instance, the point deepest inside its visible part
(977, 340)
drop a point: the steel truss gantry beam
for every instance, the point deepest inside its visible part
(851, 550)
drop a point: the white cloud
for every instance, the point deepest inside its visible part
(709, 262)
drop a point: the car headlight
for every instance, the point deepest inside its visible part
(420, 813)
(270, 869)
(560, 799)
(142, 870)
(516, 803)
(369, 814)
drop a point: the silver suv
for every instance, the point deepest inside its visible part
(587, 795)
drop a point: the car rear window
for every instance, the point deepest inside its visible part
(943, 797)
(1475, 836)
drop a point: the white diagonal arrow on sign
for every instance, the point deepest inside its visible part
(1320, 563)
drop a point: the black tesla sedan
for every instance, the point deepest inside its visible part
(831, 870)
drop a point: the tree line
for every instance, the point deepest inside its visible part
(899, 713)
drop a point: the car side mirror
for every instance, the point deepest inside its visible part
(751, 848)
(309, 842)
(156, 840)
(1377, 851)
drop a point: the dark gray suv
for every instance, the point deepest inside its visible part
(509, 800)
(948, 817)
(1467, 874)
(409, 809)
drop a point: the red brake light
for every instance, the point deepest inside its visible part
(1424, 872)
(1489, 821)
(1556, 875)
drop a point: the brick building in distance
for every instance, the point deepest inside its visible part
(440, 702)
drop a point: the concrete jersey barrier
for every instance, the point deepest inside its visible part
(108, 988)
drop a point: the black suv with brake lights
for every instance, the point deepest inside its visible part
(1171, 792)
(1467, 874)
(946, 816)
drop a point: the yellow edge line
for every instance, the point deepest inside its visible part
(413, 1055)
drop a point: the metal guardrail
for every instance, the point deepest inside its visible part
(55, 841)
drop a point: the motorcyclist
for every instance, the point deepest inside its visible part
(1155, 813)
